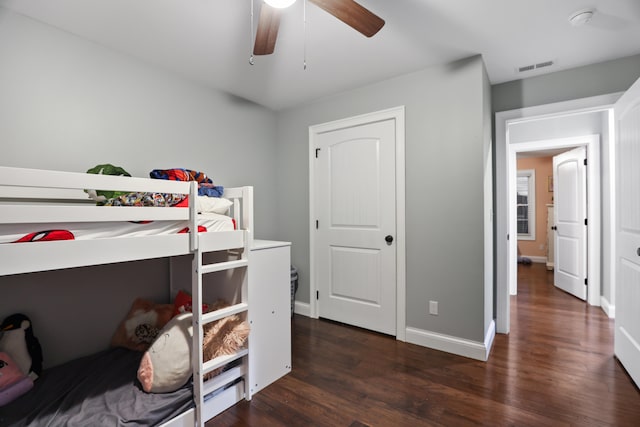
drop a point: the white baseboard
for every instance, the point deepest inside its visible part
(608, 308)
(536, 259)
(302, 308)
(488, 339)
(460, 346)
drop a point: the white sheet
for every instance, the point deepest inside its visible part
(85, 231)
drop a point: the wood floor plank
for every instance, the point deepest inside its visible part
(555, 368)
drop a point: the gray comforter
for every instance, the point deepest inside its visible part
(97, 390)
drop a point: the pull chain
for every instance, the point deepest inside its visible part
(304, 41)
(251, 36)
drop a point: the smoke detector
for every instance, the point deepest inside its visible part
(580, 17)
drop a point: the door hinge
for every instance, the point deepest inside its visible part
(317, 294)
(317, 224)
(585, 221)
(507, 236)
(317, 149)
(585, 162)
(586, 282)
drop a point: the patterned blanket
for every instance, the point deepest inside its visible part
(205, 184)
(145, 199)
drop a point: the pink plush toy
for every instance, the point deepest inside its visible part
(13, 383)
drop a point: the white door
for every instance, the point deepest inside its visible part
(627, 328)
(570, 216)
(356, 225)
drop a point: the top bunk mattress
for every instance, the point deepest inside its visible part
(21, 233)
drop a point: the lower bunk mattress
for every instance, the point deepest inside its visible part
(96, 390)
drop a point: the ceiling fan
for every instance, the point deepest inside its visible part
(348, 11)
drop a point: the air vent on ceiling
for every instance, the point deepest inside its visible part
(544, 64)
(535, 66)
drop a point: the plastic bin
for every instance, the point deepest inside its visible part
(294, 287)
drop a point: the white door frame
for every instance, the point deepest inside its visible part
(592, 143)
(503, 212)
(396, 114)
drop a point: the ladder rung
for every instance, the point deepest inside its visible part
(220, 361)
(227, 265)
(212, 316)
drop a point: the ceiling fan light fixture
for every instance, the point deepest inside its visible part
(280, 4)
(350, 12)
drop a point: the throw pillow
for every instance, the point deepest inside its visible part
(141, 325)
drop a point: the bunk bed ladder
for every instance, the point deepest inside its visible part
(200, 319)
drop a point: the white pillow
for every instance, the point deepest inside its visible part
(166, 366)
(205, 204)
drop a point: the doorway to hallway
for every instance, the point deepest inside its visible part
(525, 127)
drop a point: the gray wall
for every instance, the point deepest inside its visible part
(69, 104)
(591, 80)
(444, 187)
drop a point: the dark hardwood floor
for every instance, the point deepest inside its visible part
(555, 368)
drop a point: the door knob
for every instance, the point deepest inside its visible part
(388, 239)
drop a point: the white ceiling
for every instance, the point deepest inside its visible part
(209, 40)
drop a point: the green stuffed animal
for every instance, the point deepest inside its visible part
(106, 169)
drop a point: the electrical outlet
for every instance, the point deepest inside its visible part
(433, 307)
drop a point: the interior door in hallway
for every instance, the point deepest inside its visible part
(627, 329)
(570, 216)
(355, 188)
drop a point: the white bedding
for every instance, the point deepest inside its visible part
(10, 233)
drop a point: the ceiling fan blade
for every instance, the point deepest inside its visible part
(354, 15)
(267, 32)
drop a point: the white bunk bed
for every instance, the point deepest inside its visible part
(29, 196)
